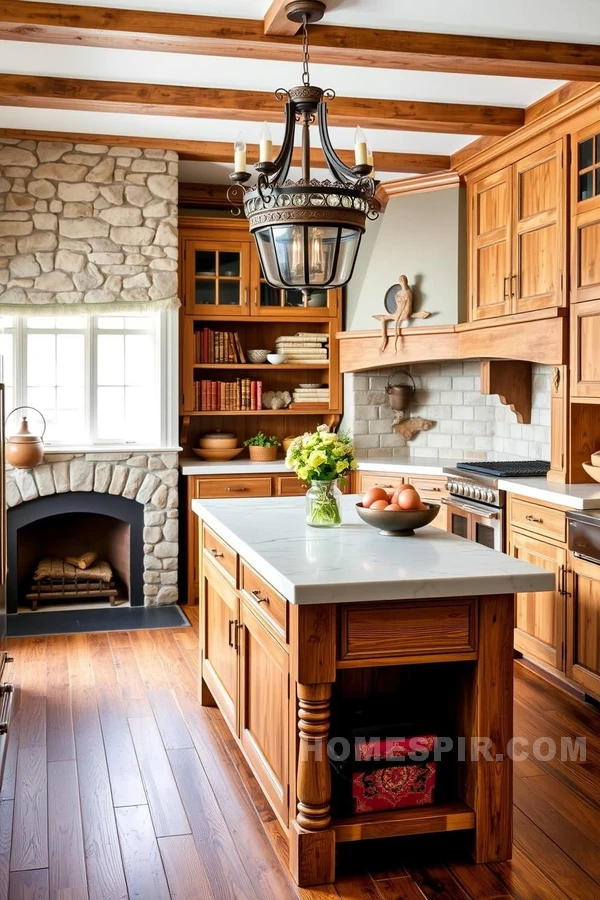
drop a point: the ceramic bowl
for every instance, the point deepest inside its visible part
(276, 358)
(394, 523)
(593, 471)
(218, 442)
(218, 455)
(311, 386)
(595, 460)
(257, 356)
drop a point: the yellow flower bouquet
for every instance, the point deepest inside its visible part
(323, 458)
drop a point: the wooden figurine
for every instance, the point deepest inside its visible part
(407, 428)
(399, 308)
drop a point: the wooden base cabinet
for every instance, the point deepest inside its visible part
(540, 617)
(583, 657)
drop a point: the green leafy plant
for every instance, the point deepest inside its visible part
(261, 440)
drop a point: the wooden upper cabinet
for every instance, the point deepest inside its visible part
(585, 350)
(517, 236)
(539, 230)
(217, 277)
(271, 301)
(490, 211)
(585, 222)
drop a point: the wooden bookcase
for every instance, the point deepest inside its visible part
(223, 288)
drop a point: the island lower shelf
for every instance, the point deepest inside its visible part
(281, 673)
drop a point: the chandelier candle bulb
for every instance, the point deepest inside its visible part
(361, 157)
(239, 154)
(370, 162)
(266, 145)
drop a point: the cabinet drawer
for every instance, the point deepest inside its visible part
(430, 487)
(290, 486)
(387, 481)
(539, 519)
(220, 553)
(235, 486)
(398, 630)
(264, 599)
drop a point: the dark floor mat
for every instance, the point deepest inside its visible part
(80, 621)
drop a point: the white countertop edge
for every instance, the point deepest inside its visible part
(417, 466)
(405, 589)
(568, 496)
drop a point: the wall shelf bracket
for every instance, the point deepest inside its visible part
(511, 380)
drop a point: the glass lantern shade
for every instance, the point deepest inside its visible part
(307, 256)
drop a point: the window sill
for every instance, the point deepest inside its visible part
(132, 449)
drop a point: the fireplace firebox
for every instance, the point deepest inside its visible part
(72, 524)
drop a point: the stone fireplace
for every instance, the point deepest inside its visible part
(135, 495)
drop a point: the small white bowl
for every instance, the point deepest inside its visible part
(276, 358)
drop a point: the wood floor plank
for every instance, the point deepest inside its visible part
(356, 887)
(6, 822)
(106, 878)
(133, 689)
(124, 771)
(525, 880)
(436, 883)
(403, 888)
(144, 871)
(30, 819)
(32, 885)
(171, 724)
(168, 813)
(226, 874)
(59, 719)
(180, 674)
(67, 872)
(10, 764)
(186, 875)
(154, 675)
(552, 860)
(478, 882)
(32, 728)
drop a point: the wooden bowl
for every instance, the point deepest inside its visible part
(218, 442)
(396, 524)
(221, 455)
(593, 471)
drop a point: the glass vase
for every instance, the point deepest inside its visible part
(324, 504)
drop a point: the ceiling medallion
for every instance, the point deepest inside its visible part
(307, 232)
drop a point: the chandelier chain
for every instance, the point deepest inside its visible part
(305, 54)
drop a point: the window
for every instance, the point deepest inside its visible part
(96, 379)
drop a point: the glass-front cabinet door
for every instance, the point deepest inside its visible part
(585, 220)
(270, 301)
(217, 278)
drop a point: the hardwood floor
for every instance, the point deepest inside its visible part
(120, 785)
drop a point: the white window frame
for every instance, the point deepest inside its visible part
(166, 346)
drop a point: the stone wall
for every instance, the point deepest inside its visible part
(87, 223)
(150, 479)
(468, 423)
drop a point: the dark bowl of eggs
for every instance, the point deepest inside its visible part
(396, 514)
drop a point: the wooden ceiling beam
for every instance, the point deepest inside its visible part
(276, 21)
(27, 20)
(217, 103)
(222, 151)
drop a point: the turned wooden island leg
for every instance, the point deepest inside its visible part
(312, 840)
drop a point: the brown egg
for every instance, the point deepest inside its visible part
(409, 500)
(372, 495)
(400, 489)
(379, 504)
(394, 507)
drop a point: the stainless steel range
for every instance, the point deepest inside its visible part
(476, 504)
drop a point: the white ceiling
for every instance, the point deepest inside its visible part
(577, 20)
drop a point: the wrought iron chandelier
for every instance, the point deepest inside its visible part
(307, 232)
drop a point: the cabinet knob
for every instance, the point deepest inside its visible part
(533, 519)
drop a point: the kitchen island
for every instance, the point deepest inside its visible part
(298, 625)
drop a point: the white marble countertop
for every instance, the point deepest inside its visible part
(355, 563)
(415, 464)
(570, 496)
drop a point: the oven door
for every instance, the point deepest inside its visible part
(476, 522)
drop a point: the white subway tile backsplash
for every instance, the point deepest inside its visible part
(468, 424)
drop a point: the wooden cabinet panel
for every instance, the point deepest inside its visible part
(541, 520)
(220, 641)
(585, 349)
(539, 230)
(220, 554)
(263, 598)
(217, 276)
(540, 616)
(386, 480)
(238, 486)
(490, 211)
(264, 708)
(585, 221)
(584, 625)
(446, 628)
(290, 486)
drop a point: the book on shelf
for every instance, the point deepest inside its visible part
(228, 396)
(220, 347)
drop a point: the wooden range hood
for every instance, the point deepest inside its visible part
(506, 349)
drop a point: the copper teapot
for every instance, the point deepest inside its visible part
(24, 449)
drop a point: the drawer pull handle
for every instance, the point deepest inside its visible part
(385, 485)
(215, 552)
(258, 598)
(533, 519)
(236, 490)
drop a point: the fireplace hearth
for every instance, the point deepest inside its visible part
(71, 524)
